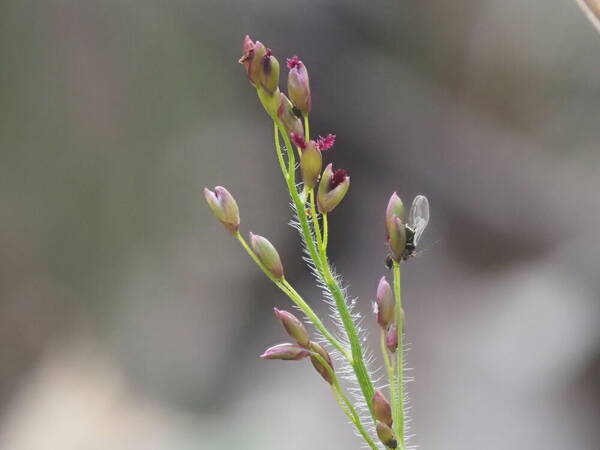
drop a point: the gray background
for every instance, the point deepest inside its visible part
(130, 320)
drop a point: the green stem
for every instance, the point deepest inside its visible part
(358, 363)
(306, 128)
(299, 301)
(291, 181)
(398, 408)
(315, 221)
(344, 403)
(280, 155)
(287, 288)
(325, 231)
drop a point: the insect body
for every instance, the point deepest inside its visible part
(418, 218)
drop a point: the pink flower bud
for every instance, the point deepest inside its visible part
(384, 303)
(293, 326)
(332, 188)
(252, 55)
(286, 114)
(395, 230)
(298, 85)
(391, 338)
(386, 435)
(286, 351)
(381, 409)
(311, 163)
(267, 254)
(323, 371)
(224, 207)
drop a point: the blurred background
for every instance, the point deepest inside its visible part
(130, 320)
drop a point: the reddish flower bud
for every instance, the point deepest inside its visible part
(267, 254)
(269, 73)
(224, 207)
(332, 188)
(286, 351)
(386, 435)
(323, 371)
(394, 226)
(293, 326)
(384, 304)
(290, 121)
(311, 163)
(252, 55)
(298, 85)
(382, 409)
(391, 338)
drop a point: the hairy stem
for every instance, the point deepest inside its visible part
(398, 402)
(344, 403)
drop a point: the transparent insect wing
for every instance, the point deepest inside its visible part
(418, 218)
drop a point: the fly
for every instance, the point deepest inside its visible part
(418, 218)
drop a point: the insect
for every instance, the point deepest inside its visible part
(418, 218)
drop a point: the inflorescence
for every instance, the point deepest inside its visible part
(322, 191)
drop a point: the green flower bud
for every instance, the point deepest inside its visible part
(293, 326)
(286, 351)
(332, 188)
(224, 207)
(386, 435)
(267, 254)
(271, 102)
(384, 304)
(397, 239)
(323, 371)
(311, 164)
(286, 115)
(269, 74)
(382, 409)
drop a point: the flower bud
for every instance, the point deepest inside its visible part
(384, 303)
(311, 163)
(293, 326)
(323, 371)
(286, 351)
(298, 85)
(382, 409)
(397, 239)
(224, 207)
(290, 121)
(391, 338)
(267, 254)
(252, 56)
(269, 74)
(386, 435)
(394, 227)
(332, 188)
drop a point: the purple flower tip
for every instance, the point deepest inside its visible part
(339, 176)
(293, 62)
(325, 143)
(298, 140)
